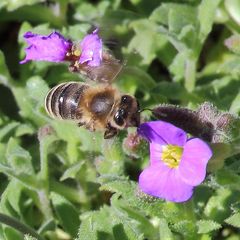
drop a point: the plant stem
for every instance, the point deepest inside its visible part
(74, 195)
(14, 223)
(189, 210)
(45, 140)
(190, 74)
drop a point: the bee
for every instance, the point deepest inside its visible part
(99, 107)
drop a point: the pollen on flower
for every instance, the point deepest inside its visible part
(77, 52)
(171, 155)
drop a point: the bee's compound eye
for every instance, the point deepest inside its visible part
(118, 119)
(125, 99)
(122, 113)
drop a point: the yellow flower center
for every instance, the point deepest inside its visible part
(77, 52)
(171, 155)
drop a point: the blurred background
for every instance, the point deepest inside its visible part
(65, 182)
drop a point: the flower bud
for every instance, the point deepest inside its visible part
(133, 145)
(207, 122)
(233, 43)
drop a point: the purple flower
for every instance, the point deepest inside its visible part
(52, 48)
(55, 48)
(177, 164)
(91, 49)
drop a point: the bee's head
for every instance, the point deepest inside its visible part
(127, 113)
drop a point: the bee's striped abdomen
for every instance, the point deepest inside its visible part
(62, 101)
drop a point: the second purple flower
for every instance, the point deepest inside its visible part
(177, 164)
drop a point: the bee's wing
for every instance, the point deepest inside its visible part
(105, 73)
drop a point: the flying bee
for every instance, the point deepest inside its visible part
(99, 107)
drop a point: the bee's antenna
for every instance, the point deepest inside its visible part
(144, 109)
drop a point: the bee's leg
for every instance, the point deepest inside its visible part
(80, 124)
(74, 66)
(110, 132)
(90, 125)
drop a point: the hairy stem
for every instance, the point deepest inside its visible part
(14, 223)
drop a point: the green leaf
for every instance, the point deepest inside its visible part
(230, 66)
(24, 129)
(37, 89)
(179, 16)
(46, 138)
(29, 181)
(86, 231)
(110, 223)
(217, 207)
(76, 31)
(160, 14)
(48, 225)
(206, 226)
(221, 151)
(181, 22)
(72, 171)
(27, 107)
(77, 138)
(176, 16)
(228, 178)
(165, 232)
(13, 5)
(170, 90)
(186, 228)
(7, 129)
(28, 237)
(235, 106)
(96, 225)
(67, 214)
(233, 9)
(206, 15)
(137, 78)
(129, 227)
(234, 220)
(87, 12)
(112, 158)
(5, 77)
(142, 222)
(147, 41)
(18, 158)
(129, 191)
(120, 185)
(220, 90)
(10, 233)
(3, 153)
(75, 135)
(178, 65)
(10, 199)
(118, 21)
(38, 13)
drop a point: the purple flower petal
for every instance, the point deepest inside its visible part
(91, 46)
(52, 48)
(163, 182)
(192, 168)
(163, 133)
(156, 153)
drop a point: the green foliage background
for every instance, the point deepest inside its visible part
(67, 183)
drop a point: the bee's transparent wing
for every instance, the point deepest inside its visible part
(105, 73)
